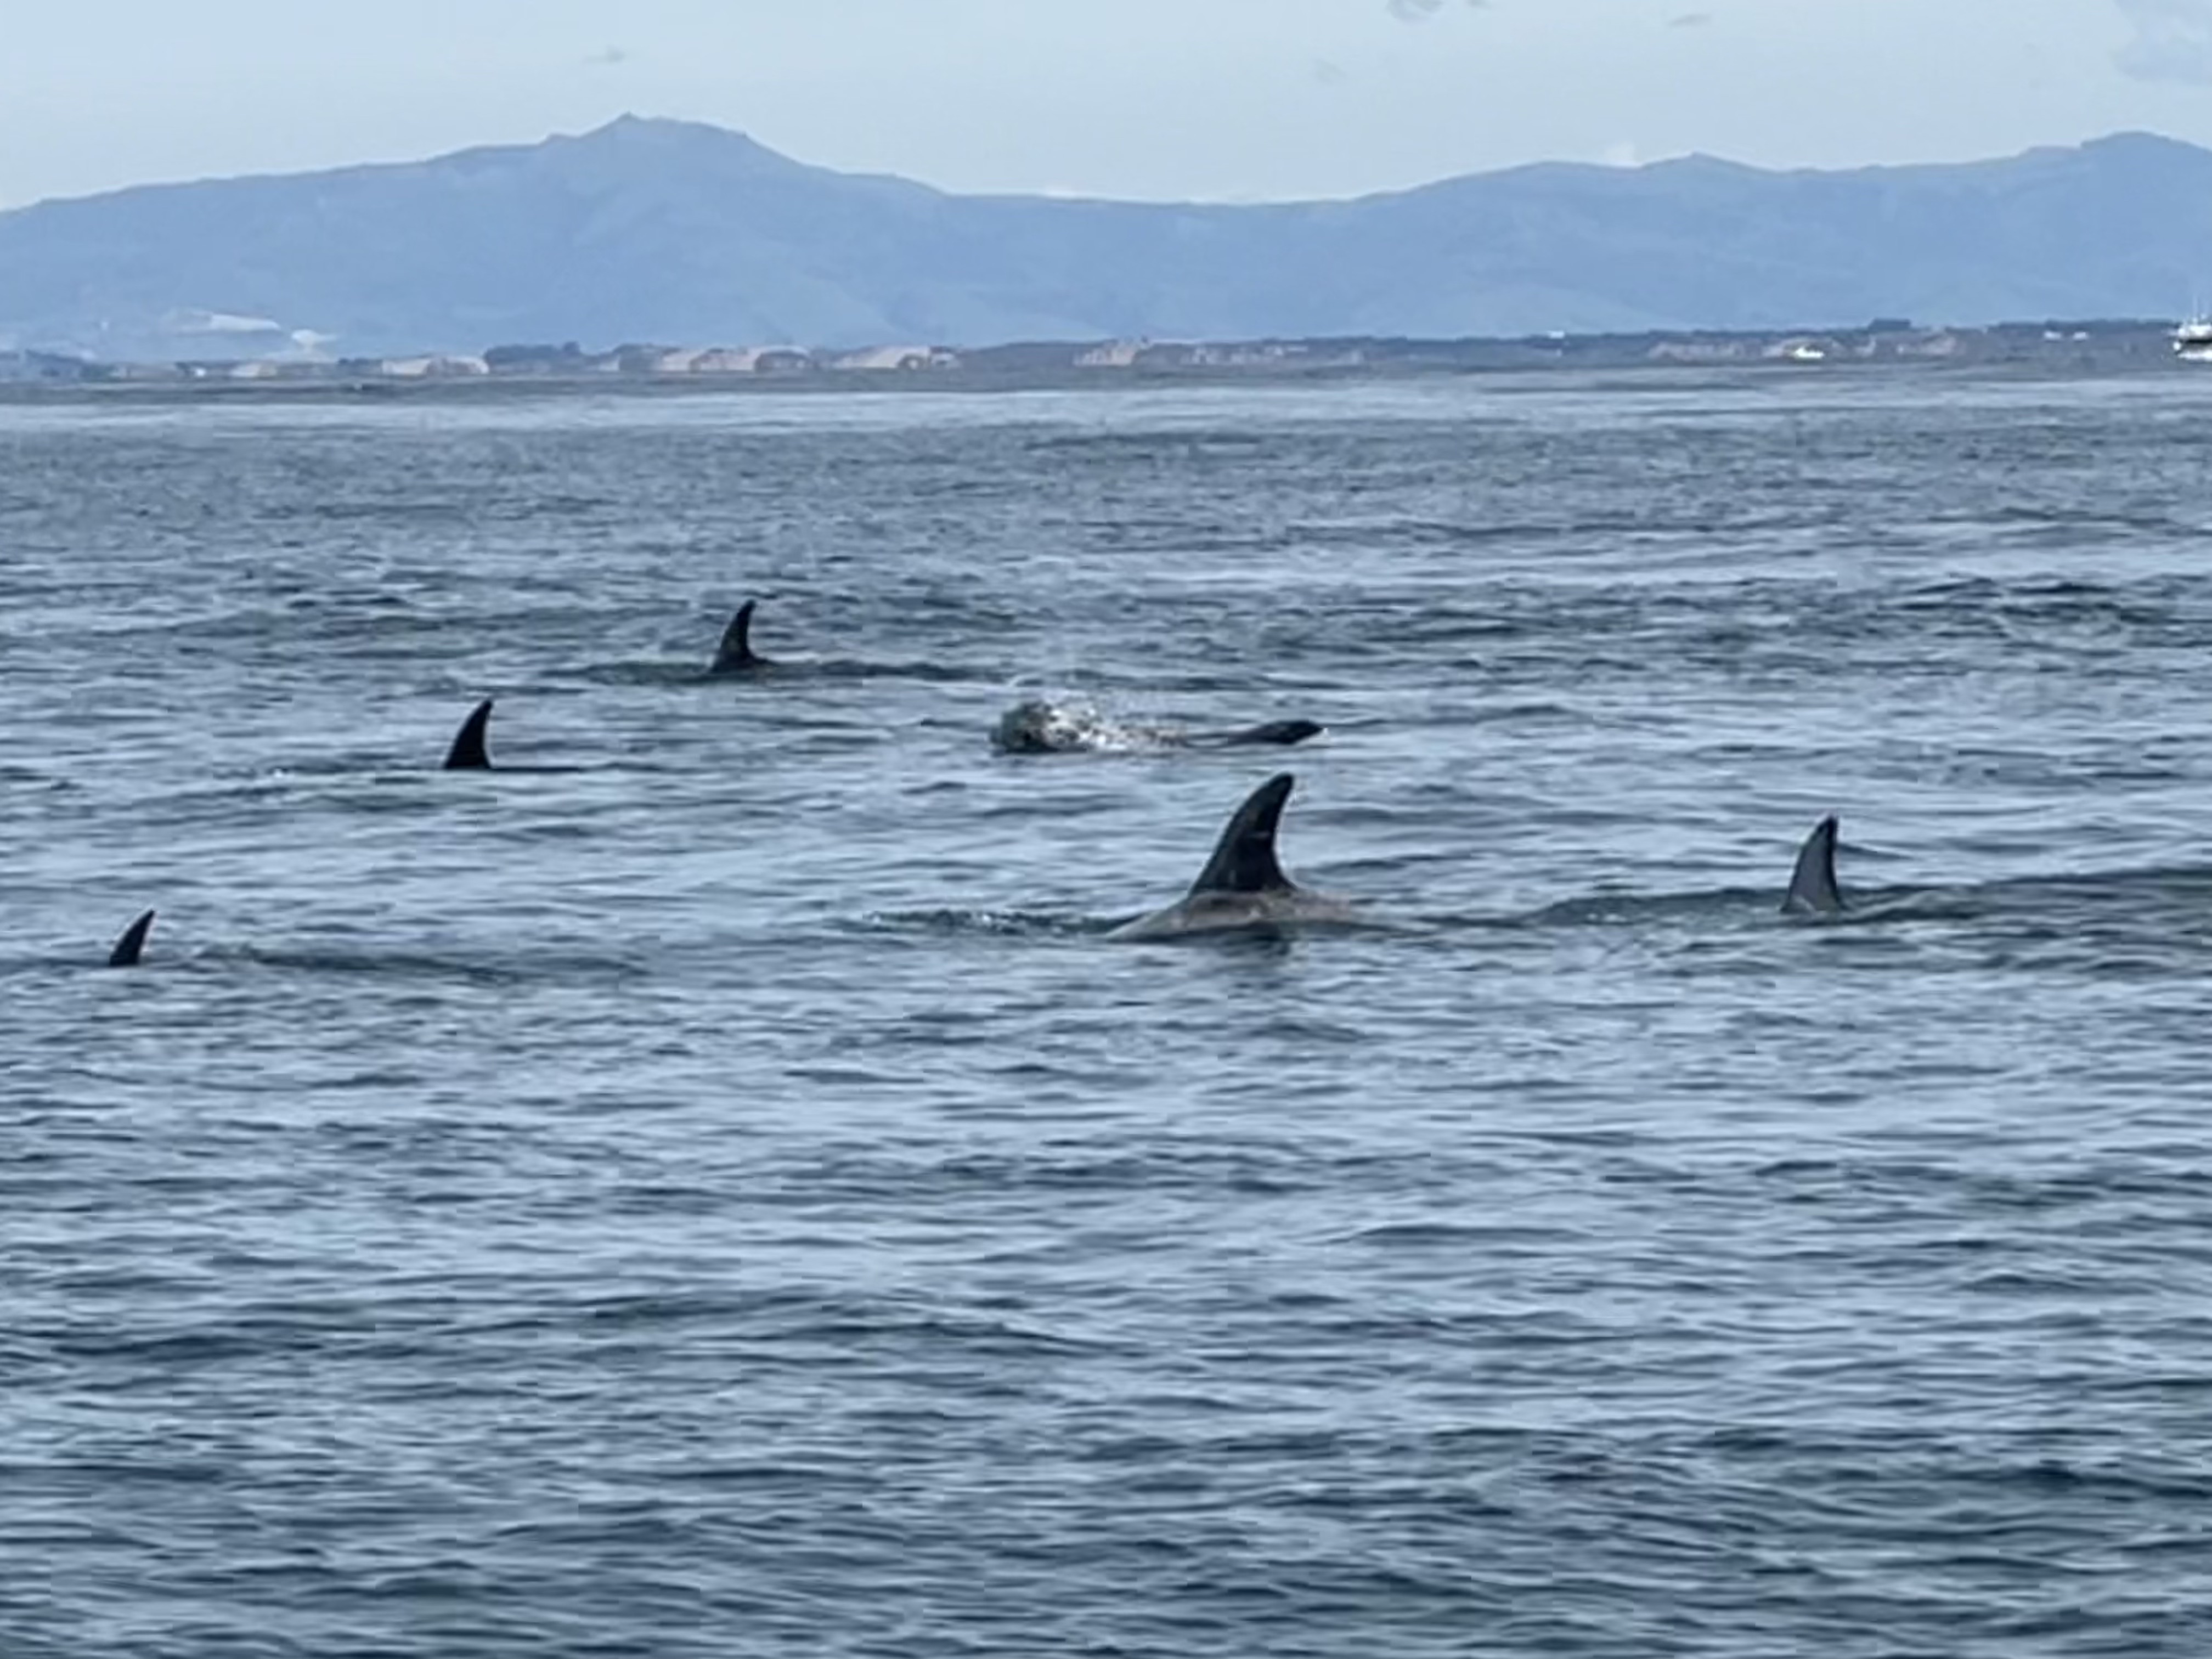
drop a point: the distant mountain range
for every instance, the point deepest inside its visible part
(676, 232)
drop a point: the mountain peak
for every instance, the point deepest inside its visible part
(665, 140)
(632, 128)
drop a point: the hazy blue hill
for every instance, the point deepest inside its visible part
(675, 232)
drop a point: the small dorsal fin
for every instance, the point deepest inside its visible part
(132, 945)
(1812, 887)
(735, 654)
(1244, 860)
(468, 752)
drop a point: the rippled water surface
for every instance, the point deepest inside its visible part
(711, 1187)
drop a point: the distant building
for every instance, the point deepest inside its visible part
(633, 359)
(897, 358)
(435, 367)
(1936, 343)
(145, 372)
(1699, 351)
(568, 358)
(1115, 353)
(703, 359)
(752, 360)
(1262, 354)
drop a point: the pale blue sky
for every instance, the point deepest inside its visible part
(1221, 100)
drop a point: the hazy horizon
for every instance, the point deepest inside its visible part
(631, 115)
(1248, 101)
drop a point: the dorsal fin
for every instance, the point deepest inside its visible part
(1244, 860)
(735, 654)
(1813, 883)
(132, 945)
(468, 752)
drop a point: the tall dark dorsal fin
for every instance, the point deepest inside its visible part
(1813, 889)
(735, 654)
(468, 752)
(132, 945)
(1244, 860)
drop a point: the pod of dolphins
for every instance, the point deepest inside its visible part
(1243, 885)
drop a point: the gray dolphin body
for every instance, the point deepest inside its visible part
(1243, 885)
(1813, 890)
(735, 654)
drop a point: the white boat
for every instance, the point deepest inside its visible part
(2193, 340)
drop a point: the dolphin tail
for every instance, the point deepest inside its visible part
(468, 752)
(1813, 889)
(735, 653)
(1244, 860)
(132, 945)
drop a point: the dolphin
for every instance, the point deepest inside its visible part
(468, 753)
(132, 945)
(735, 654)
(1045, 728)
(1813, 890)
(1243, 884)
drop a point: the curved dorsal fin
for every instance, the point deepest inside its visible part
(735, 654)
(1813, 883)
(468, 752)
(1244, 860)
(132, 945)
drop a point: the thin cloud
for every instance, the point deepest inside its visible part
(608, 58)
(2172, 41)
(1691, 20)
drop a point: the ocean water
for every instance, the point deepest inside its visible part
(711, 1187)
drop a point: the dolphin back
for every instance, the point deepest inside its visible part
(468, 753)
(1244, 860)
(1277, 732)
(1813, 890)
